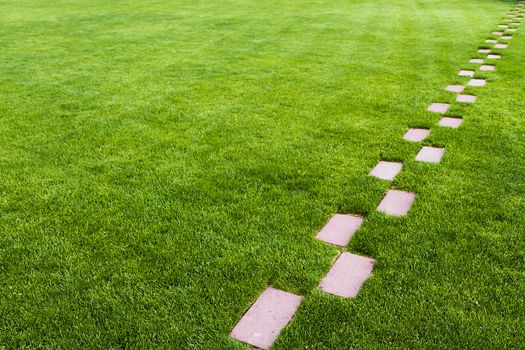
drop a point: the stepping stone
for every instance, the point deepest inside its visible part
(497, 33)
(503, 26)
(266, 318)
(484, 51)
(455, 88)
(476, 61)
(506, 37)
(487, 67)
(340, 229)
(438, 107)
(416, 135)
(491, 41)
(477, 82)
(507, 20)
(493, 57)
(347, 275)
(500, 46)
(386, 170)
(448, 122)
(430, 154)
(466, 73)
(396, 203)
(512, 30)
(466, 98)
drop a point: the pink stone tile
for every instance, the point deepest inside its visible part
(347, 275)
(497, 33)
(430, 154)
(450, 122)
(466, 98)
(476, 82)
(386, 170)
(396, 203)
(501, 46)
(493, 57)
(476, 61)
(416, 135)
(466, 73)
(455, 88)
(484, 51)
(487, 67)
(340, 229)
(265, 319)
(491, 41)
(438, 107)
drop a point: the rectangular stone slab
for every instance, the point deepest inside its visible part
(484, 51)
(450, 122)
(466, 73)
(500, 46)
(438, 107)
(416, 135)
(386, 170)
(347, 275)
(456, 88)
(487, 67)
(430, 154)
(340, 229)
(476, 82)
(396, 203)
(266, 318)
(493, 56)
(466, 98)
(476, 61)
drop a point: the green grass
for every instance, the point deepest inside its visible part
(162, 162)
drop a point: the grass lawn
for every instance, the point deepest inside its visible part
(162, 162)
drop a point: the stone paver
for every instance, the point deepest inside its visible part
(484, 51)
(476, 60)
(340, 229)
(466, 73)
(396, 203)
(386, 170)
(497, 33)
(265, 319)
(438, 107)
(491, 41)
(416, 135)
(347, 275)
(487, 67)
(501, 46)
(466, 98)
(455, 88)
(477, 82)
(506, 37)
(503, 26)
(430, 154)
(512, 30)
(493, 56)
(449, 122)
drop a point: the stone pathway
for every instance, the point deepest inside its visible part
(274, 308)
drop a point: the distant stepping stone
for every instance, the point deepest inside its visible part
(484, 51)
(487, 67)
(512, 30)
(506, 37)
(477, 82)
(493, 57)
(347, 275)
(386, 170)
(416, 135)
(396, 203)
(466, 98)
(430, 154)
(476, 61)
(340, 229)
(456, 88)
(491, 41)
(497, 33)
(500, 46)
(466, 73)
(448, 122)
(438, 107)
(266, 318)
(503, 26)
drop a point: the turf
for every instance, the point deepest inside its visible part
(162, 162)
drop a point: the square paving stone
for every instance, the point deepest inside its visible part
(456, 88)
(438, 107)
(493, 56)
(476, 61)
(466, 98)
(466, 73)
(500, 46)
(347, 275)
(416, 135)
(430, 154)
(340, 229)
(266, 318)
(386, 170)
(477, 82)
(487, 67)
(449, 122)
(396, 203)
(484, 51)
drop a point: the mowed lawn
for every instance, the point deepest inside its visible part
(163, 162)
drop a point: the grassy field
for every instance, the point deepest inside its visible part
(162, 162)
